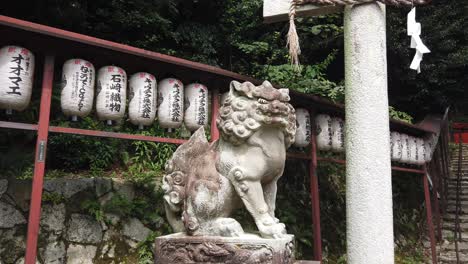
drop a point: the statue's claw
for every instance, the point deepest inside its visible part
(272, 229)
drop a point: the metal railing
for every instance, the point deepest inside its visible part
(457, 229)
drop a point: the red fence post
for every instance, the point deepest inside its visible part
(435, 196)
(314, 193)
(39, 163)
(214, 114)
(430, 226)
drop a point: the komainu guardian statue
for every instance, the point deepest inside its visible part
(205, 182)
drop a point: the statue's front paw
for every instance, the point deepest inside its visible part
(272, 230)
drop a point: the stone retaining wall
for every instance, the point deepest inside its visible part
(69, 233)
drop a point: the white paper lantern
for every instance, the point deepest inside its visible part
(420, 156)
(195, 106)
(338, 132)
(303, 128)
(170, 103)
(324, 132)
(111, 93)
(16, 78)
(429, 147)
(77, 88)
(405, 153)
(142, 99)
(396, 146)
(412, 150)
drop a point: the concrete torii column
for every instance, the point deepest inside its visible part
(369, 213)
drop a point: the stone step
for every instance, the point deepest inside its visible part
(453, 197)
(451, 226)
(451, 217)
(450, 257)
(453, 192)
(451, 209)
(463, 185)
(450, 246)
(448, 234)
(463, 204)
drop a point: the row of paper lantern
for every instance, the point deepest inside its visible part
(330, 133)
(77, 95)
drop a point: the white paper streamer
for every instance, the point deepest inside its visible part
(414, 30)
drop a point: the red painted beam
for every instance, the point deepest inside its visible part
(396, 168)
(97, 133)
(427, 198)
(39, 165)
(75, 37)
(214, 114)
(14, 125)
(314, 189)
(295, 155)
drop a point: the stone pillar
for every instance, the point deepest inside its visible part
(368, 168)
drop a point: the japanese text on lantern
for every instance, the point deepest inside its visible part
(176, 111)
(147, 99)
(16, 72)
(201, 107)
(115, 99)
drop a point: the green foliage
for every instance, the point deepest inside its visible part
(75, 152)
(145, 160)
(145, 249)
(399, 115)
(53, 197)
(310, 79)
(93, 208)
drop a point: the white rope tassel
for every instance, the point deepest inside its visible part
(293, 38)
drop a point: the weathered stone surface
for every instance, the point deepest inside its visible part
(84, 229)
(53, 217)
(103, 186)
(54, 253)
(203, 182)
(79, 254)
(134, 229)
(20, 192)
(111, 234)
(113, 219)
(103, 200)
(13, 247)
(3, 186)
(108, 250)
(9, 216)
(21, 261)
(125, 189)
(131, 243)
(68, 187)
(249, 249)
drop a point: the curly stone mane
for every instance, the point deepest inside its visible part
(247, 108)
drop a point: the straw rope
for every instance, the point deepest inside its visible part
(293, 38)
(355, 2)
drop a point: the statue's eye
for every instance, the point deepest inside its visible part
(262, 101)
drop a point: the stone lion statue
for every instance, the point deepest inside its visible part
(204, 183)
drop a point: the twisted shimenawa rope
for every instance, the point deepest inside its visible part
(293, 38)
(354, 2)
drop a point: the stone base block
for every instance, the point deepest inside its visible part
(248, 249)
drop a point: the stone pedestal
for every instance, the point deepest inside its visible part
(248, 249)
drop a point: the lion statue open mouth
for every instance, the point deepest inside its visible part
(205, 182)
